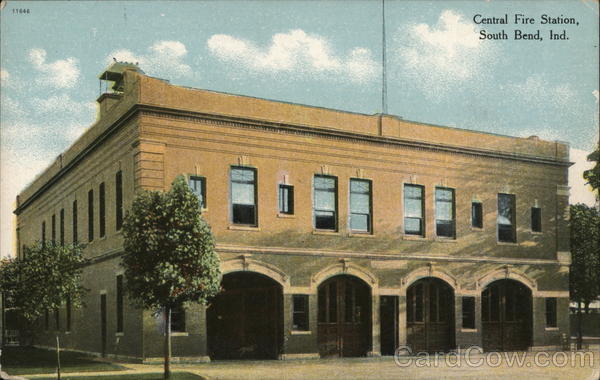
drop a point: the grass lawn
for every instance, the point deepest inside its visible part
(147, 376)
(29, 361)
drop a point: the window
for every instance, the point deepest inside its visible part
(57, 319)
(90, 215)
(118, 200)
(178, 319)
(506, 218)
(286, 199)
(444, 212)
(102, 209)
(360, 205)
(53, 228)
(551, 312)
(62, 226)
(300, 312)
(74, 221)
(413, 210)
(468, 312)
(68, 307)
(414, 304)
(198, 186)
(325, 203)
(536, 219)
(243, 196)
(476, 215)
(43, 233)
(120, 303)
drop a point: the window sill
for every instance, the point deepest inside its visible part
(326, 232)
(119, 334)
(464, 330)
(286, 216)
(477, 229)
(551, 328)
(536, 233)
(244, 228)
(445, 240)
(361, 234)
(415, 238)
(68, 332)
(179, 333)
(300, 332)
(507, 243)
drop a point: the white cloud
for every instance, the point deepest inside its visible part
(538, 91)
(164, 58)
(294, 52)
(595, 93)
(62, 73)
(439, 56)
(580, 192)
(61, 104)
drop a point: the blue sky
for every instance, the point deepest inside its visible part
(322, 53)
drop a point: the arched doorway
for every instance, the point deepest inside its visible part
(244, 321)
(344, 317)
(430, 316)
(506, 316)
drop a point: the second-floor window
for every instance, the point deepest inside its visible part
(118, 200)
(476, 215)
(360, 205)
(413, 210)
(243, 196)
(536, 219)
(444, 212)
(286, 199)
(325, 203)
(90, 215)
(506, 218)
(62, 226)
(74, 229)
(198, 186)
(102, 209)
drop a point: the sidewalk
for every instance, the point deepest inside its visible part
(364, 368)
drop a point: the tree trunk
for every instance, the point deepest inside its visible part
(579, 335)
(167, 317)
(57, 358)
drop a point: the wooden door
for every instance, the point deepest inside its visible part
(103, 333)
(344, 327)
(244, 321)
(506, 316)
(430, 316)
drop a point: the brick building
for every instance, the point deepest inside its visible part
(340, 234)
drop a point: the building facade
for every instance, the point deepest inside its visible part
(340, 234)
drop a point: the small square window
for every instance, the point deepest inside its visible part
(551, 312)
(536, 219)
(468, 312)
(178, 319)
(476, 215)
(286, 199)
(300, 312)
(198, 186)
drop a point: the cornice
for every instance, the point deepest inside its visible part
(239, 122)
(236, 249)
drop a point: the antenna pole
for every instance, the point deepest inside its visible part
(384, 63)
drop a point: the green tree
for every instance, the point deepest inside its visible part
(170, 256)
(43, 279)
(585, 251)
(592, 176)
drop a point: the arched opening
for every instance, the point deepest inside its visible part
(430, 316)
(506, 311)
(344, 317)
(245, 321)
